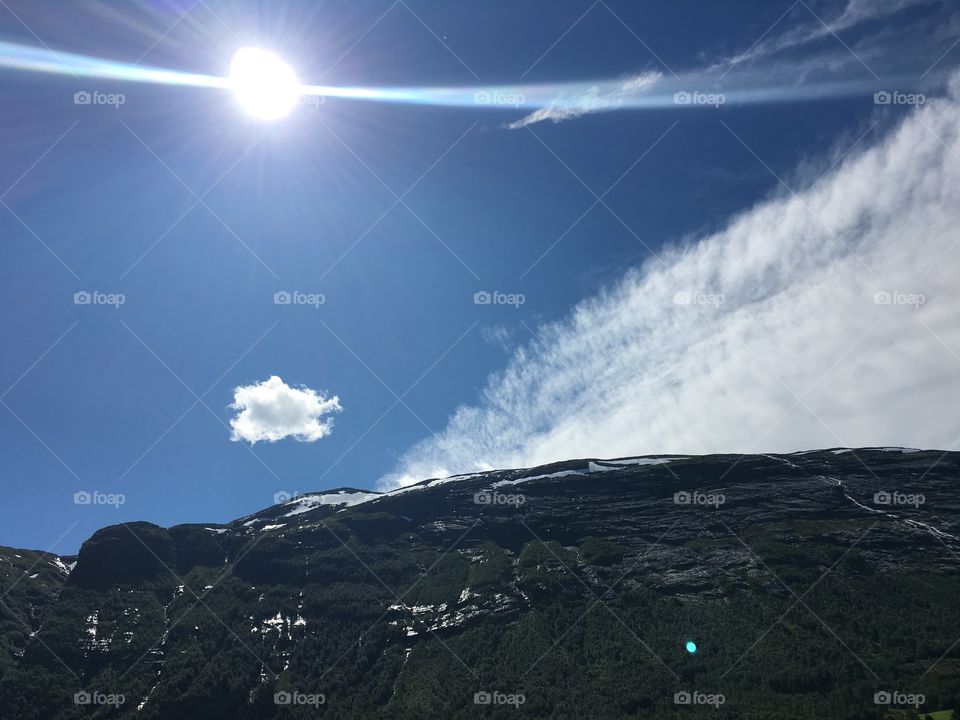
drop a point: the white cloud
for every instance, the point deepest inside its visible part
(782, 347)
(272, 410)
(498, 335)
(598, 98)
(855, 13)
(832, 68)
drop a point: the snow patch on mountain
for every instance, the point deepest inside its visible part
(546, 476)
(62, 566)
(643, 461)
(346, 498)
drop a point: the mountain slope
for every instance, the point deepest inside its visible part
(569, 590)
(30, 582)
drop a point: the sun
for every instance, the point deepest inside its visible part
(265, 86)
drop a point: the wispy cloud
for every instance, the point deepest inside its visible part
(856, 12)
(837, 68)
(818, 319)
(597, 98)
(272, 410)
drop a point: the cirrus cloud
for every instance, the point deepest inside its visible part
(817, 318)
(855, 13)
(596, 98)
(272, 410)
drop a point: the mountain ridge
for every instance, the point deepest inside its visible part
(502, 579)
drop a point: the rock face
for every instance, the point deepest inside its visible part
(820, 584)
(30, 582)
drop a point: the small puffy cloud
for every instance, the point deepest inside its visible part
(272, 410)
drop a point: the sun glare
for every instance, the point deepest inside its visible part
(265, 86)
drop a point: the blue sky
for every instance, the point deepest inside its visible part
(198, 214)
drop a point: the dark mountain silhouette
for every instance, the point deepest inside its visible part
(813, 585)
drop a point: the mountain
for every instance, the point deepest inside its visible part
(812, 585)
(30, 582)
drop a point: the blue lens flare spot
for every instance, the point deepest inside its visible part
(691, 647)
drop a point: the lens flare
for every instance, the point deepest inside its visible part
(268, 88)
